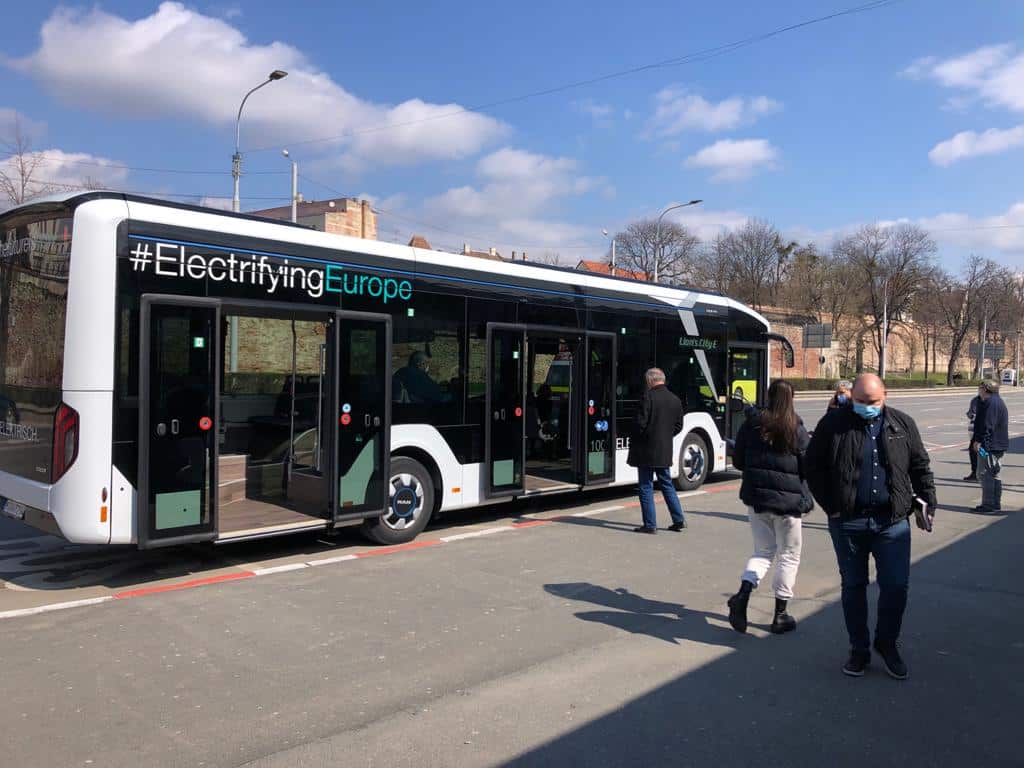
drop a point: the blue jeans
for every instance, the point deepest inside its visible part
(856, 540)
(646, 477)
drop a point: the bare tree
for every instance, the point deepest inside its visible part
(891, 265)
(641, 244)
(712, 268)
(760, 261)
(19, 173)
(961, 302)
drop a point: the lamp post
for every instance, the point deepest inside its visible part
(295, 185)
(605, 233)
(236, 159)
(658, 250)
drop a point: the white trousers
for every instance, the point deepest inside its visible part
(778, 538)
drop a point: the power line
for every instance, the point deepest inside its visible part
(689, 58)
(120, 166)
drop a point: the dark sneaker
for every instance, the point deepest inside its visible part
(782, 623)
(677, 526)
(971, 478)
(644, 529)
(738, 611)
(982, 510)
(857, 663)
(894, 665)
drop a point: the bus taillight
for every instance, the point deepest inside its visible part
(65, 441)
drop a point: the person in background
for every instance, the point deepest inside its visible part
(841, 396)
(414, 379)
(659, 419)
(991, 441)
(769, 450)
(972, 413)
(865, 466)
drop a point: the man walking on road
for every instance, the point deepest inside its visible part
(865, 466)
(991, 441)
(659, 419)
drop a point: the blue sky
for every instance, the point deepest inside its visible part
(911, 111)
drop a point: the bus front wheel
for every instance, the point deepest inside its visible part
(410, 504)
(694, 463)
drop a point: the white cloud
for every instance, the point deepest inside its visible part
(1000, 234)
(12, 119)
(993, 73)
(515, 206)
(594, 109)
(735, 159)
(679, 110)
(972, 144)
(220, 203)
(178, 62)
(70, 169)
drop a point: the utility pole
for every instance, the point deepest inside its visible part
(295, 186)
(981, 342)
(613, 272)
(885, 329)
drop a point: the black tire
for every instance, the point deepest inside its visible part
(410, 504)
(694, 463)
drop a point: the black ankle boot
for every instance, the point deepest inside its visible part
(783, 622)
(738, 607)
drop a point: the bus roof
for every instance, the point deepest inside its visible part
(287, 231)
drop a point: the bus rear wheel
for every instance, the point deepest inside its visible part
(410, 504)
(693, 463)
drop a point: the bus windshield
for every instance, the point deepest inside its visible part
(34, 262)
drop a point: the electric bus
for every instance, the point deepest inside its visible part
(174, 374)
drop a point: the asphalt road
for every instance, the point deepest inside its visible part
(543, 634)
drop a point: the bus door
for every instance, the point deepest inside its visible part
(597, 457)
(178, 415)
(504, 434)
(746, 384)
(362, 351)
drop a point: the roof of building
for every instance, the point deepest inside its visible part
(603, 268)
(419, 241)
(310, 208)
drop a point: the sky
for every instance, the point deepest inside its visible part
(453, 119)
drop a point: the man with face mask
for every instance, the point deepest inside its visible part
(865, 466)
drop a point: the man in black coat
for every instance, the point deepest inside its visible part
(865, 466)
(991, 440)
(659, 419)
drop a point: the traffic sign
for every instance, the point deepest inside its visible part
(992, 351)
(818, 336)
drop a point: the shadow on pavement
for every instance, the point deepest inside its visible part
(640, 616)
(783, 701)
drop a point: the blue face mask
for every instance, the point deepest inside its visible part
(867, 411)
(842, 399)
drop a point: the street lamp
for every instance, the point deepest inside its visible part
(296, 197)
(605, 233)
(236, 159)
(658, 250)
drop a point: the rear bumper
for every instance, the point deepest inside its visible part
(28, 501)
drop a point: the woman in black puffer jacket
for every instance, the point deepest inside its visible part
(769, 450)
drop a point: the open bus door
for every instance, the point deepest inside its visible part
(504, 433)
(363, 419)
(178, 416)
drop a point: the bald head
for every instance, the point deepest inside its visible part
(869, 389)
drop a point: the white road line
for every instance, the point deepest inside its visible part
(331, 560)
(476, 534)
(279, 568)
(688, 494)
(54, 607)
